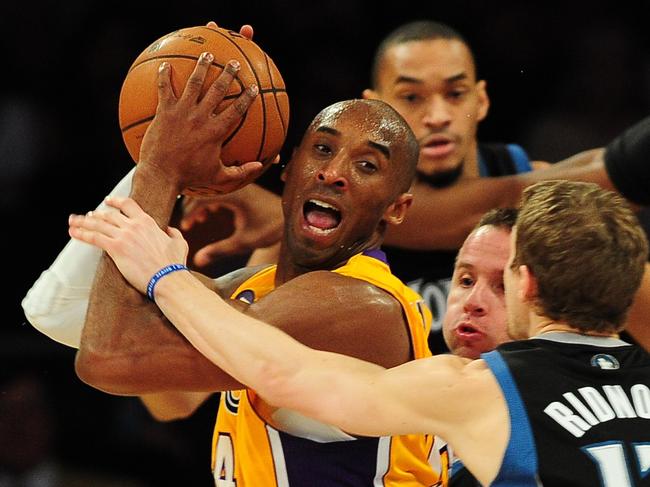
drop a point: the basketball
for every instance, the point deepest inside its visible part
(260, 133)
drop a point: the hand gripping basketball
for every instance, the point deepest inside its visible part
(184, 140)
(259, 133)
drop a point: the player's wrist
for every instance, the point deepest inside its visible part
(150, 174)
(161, 274)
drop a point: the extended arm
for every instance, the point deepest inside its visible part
(451, 213)
(441, 218)
(357, 396)
(438, 395)
(319, 308)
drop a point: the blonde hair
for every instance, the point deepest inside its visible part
(586, 249)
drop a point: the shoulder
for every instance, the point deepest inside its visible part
(344, 288)
(228, 283)
(333, 312)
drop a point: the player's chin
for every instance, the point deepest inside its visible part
(440, 175)
(469, 351)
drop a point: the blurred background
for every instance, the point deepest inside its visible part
(562, 77)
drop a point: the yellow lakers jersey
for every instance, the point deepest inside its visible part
(298, 451)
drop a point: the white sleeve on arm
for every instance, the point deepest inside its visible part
(57, 302)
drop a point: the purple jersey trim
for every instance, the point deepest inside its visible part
(376, 254)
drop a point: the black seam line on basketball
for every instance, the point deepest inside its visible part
(227, 97)
(149, 119)
(171, 56)
(193, 58)
(257, 79)
(275, 96)
(273, 88)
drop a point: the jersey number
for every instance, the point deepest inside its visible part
(224, 465)
(613, 465)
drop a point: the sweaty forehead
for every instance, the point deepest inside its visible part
(362, 120)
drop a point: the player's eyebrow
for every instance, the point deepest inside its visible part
(328, 130)
(451, 79)
(380, 147)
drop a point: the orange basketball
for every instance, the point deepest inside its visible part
(258, 136)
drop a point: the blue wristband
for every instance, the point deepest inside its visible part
(162, 272)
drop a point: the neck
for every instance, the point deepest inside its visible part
(554, 326)
(471, 162)
(290, 267)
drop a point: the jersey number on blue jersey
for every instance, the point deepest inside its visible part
(613, 466)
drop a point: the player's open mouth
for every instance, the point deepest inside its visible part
(466, 330)
(321, 217)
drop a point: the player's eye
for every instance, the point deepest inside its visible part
(323, 148)
(368, 166)
(466, 281)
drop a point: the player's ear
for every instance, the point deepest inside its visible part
(396, 212)
(528, 287)
(483, 100)
(369, 94)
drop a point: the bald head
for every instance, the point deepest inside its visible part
(385, 129)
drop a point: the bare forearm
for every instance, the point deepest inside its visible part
(127, 347)
(357, 396)
(586, 166)
(282, 370)
(130, 349)
(115, 307)
(442, 218)
(155, 194)
(233, 341)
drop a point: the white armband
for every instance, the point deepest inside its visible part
(56, 304)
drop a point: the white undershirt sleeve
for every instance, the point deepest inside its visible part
(56, 304)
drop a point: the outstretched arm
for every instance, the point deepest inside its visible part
(357, 396)
(300, 307)
(449, 214)
(438, 395)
